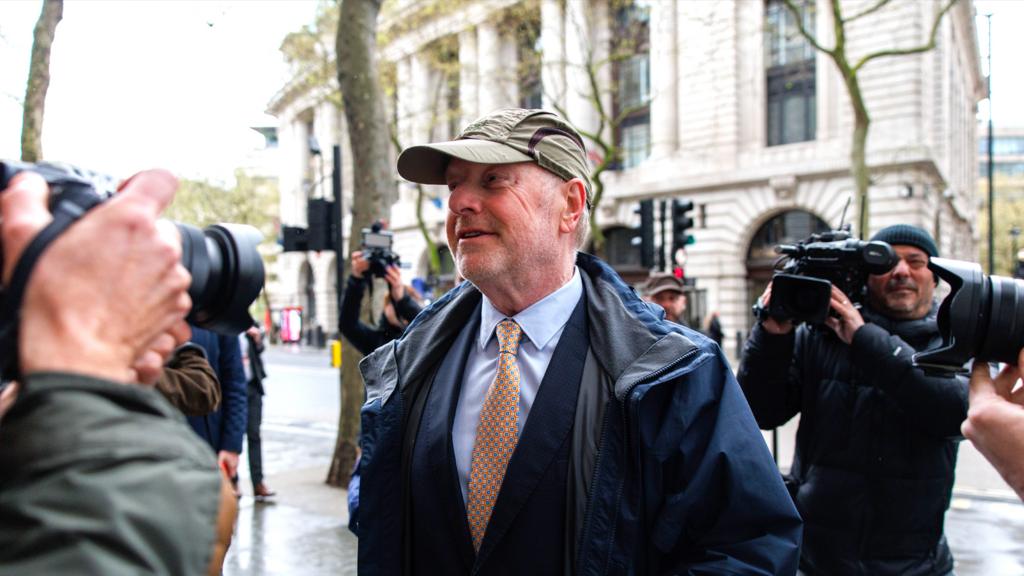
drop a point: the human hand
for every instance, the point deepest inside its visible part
(359, 264)
(109, 293)
(255, 334)
(394, 278)
(847, 320)
(228, 462)
(7, 397)
(995, 420)
(774, 325)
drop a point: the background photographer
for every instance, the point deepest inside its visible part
(995, 422)
(877, 443)
(97, 474)
(400, 307)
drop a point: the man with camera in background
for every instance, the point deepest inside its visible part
(400, 305)
(99, 474)
(876, 448)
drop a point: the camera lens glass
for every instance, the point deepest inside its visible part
(227, 274)
(1002, 322)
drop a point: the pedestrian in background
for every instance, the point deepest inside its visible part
(251, 344)
(401, 305)
(666, 291)
(224, 427)
(713, 328)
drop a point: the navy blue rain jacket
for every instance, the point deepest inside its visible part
(224, 427)
(680, 481)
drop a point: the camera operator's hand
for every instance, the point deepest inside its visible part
(772, 325)
(108, 297)
(847, 320)
(995, 421)
(359, 264)
(394, 278)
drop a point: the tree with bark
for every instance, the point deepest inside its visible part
(849, 69)
(39, 80)
(374, 185)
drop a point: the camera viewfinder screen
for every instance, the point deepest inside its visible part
(372, 240)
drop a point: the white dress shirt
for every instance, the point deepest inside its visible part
(542, 325)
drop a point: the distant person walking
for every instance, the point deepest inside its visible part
(251, 342)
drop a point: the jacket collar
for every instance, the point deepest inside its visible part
(632, 338)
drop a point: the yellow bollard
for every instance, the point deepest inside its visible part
(335, 353)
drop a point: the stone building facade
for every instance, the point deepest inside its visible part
(721, 103)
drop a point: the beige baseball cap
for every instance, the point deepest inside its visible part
(504, 137)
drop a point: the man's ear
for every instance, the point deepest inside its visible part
(575, 203)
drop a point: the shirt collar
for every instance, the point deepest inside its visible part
(542, 320)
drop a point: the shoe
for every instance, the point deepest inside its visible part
(261, 492)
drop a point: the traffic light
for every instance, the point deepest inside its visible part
(681, 224)
(646, 236)
(294, 239)
(322, 230)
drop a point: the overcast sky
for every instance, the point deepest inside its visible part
(178, 84)
(140, 84)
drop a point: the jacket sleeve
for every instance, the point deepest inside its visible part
(407, 308)
(769, 376)
(234, 402)
(189, 382)
(724, 507)
(363, 337)
(937, 404)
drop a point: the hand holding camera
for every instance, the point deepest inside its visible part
(115, 314)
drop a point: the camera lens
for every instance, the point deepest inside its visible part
(1004, 336)
(227, 274)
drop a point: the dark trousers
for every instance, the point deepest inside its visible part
(253, 434)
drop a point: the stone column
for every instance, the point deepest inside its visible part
(469, 77)
(493, 74)
(664, 82)
(552, 37)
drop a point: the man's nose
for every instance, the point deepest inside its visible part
(463, 199)
(901, 268)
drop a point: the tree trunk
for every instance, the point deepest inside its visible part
(373, 192)
(39, 81)
(858, 155)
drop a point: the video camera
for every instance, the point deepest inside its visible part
(227, 271)
(802, 289)
(981, 318)
(377, 249)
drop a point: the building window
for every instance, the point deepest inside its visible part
(790, 74)
(631, 58)
(528, 42)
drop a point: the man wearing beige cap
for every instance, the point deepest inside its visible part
(666, 291)
(541, 418)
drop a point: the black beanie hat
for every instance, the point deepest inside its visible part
(908, 235)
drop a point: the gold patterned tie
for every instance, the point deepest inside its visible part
(496, 435)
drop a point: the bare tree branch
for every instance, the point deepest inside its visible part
(907, 51)
(811, 38)
(875, 8)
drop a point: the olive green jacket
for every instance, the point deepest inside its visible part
(102, 478)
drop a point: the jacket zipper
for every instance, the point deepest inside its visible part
(600, 452)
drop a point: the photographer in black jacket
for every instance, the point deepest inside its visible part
(877, 443)
(400, 307)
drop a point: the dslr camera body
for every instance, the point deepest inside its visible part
(377, 244)
(227, 270)
(802, 289)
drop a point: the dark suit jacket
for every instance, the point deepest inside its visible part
(223, 428)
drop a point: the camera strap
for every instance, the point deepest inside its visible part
(64, 215)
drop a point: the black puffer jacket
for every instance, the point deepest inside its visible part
(877, 443)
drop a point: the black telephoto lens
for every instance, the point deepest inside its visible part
(981, 318)
(227, 274)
